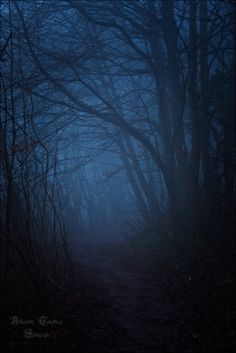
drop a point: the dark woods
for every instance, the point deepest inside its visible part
(117, 118)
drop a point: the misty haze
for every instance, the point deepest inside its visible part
(117, 198)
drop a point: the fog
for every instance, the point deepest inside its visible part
(118, 155)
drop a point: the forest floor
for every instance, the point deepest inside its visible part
(142, 313)
(137, 308)
(121, 305)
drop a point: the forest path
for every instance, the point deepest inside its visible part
(141, 309)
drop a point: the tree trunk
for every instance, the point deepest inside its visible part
(193, 100)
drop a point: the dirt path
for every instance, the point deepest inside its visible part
(141, 310)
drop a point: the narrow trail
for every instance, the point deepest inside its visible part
(141, 309)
